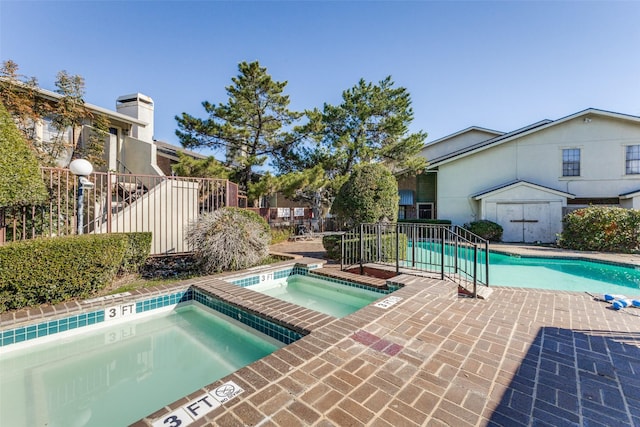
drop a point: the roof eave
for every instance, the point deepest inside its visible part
(53, 96)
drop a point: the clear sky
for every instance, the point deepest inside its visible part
(500, 65)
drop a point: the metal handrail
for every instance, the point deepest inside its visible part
(449, 252)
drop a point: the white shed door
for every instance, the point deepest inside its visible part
(524, 222)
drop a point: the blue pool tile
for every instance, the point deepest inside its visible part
(84, 319)
(8, 337)
(256, 322)
(42, 329)
(91, 318)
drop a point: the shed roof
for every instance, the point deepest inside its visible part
(519, 183)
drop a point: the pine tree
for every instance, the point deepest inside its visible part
(250, 128)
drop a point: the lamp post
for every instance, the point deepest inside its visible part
(82, 169)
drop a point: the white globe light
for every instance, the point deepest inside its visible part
(81, 167)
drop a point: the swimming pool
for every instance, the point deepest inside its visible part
(330, 296)
(554, 273)
(116, 371)
(563, 274)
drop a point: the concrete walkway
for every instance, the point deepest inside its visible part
(521, 358)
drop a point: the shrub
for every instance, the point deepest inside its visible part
(486, 229)
(281, 234)
(369, 195)
(138, 250)
(601, 228)
(229, 239)
(56, 269)
(20, 181)
(332, 244)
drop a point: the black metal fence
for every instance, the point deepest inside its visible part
(447, 251)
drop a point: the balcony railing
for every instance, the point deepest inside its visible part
(163, 205)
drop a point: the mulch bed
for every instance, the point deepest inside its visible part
(170, 266)
(373, 272)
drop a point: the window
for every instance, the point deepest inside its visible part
(402, 212)
(571, 162)
(632, 160)
(50, 133)
(426, 211)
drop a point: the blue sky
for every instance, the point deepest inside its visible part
(500, 65)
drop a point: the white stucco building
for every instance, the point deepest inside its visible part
(528, 179)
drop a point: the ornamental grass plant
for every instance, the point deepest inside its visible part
(229, 239)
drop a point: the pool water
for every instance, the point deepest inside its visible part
(318, 294)
(563, 274)
(118, 374)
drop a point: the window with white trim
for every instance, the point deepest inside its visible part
(50, 133)
(571, 162)
(632, 160)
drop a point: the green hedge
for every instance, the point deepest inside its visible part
(602, 228)
(53, 270)
(138, 250)
(486, 229)
(281, 234)
(333, 245)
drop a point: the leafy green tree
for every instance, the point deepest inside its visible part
(18, 93)
(312, 186)
(267, 185)
(93, 147)
(21, 183)
(68, 114)
(251, 127)
(64, 115)
(369, 195)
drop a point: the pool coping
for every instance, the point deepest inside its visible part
(89, 312)
(532, 251)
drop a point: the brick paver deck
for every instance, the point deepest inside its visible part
(520, 358)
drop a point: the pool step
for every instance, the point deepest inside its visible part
(351, 277)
